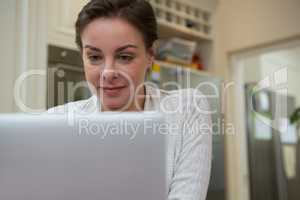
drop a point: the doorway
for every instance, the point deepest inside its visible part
(267, 89)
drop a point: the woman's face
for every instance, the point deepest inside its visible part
(115, 62)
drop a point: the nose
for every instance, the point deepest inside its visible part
(109, 75)
(109, 72)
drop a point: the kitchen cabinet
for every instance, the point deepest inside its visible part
(62, 15)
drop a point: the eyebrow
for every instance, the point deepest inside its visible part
(118, 49)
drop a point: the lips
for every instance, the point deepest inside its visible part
(112, 91)
(112, 88)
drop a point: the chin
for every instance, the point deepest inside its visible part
(114, 107)
(115, 104)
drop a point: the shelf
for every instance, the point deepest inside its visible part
(165, 29)
(179, 19)
(182, 15)
(182, 67)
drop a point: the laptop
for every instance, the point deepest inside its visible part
(107, 156)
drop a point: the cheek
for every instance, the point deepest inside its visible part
(137, 72)
(92, 74)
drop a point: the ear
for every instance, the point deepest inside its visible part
(151, 52)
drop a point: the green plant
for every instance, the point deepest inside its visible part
(295, 117)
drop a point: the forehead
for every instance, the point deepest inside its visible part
(111, 33)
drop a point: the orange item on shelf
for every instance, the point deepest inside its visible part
(197, 62)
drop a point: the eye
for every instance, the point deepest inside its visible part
(94, 58)
(125, 57)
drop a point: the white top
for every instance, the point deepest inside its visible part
(189, 142)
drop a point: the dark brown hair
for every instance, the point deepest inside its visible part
(138, 13)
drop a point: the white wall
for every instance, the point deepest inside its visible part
(252, 70)
(7, 53)
(270, 65)
(293, 84)
(241, 25)
(23, 48)
(248, 23)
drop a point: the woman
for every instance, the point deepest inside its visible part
(116, 39)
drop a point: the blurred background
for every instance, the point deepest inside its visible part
(245, 54)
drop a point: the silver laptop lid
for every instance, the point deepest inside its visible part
(105, 156)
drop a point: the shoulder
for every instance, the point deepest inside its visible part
(82, 106)
(184, 101)
(184, 108)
